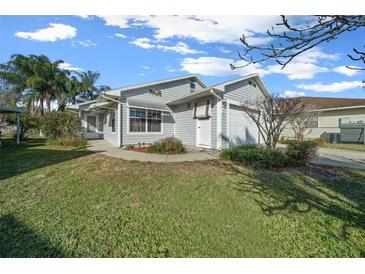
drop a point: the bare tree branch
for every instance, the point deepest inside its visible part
(296, 40)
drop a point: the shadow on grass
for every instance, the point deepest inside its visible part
(17, 240)
(335, 192)
(17, 159)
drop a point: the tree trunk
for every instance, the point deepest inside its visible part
(41, 102)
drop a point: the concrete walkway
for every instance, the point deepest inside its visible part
(341, 158)
(193, 154)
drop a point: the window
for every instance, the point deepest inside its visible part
(252, 83)
(192, 85)
(143, 120)
(91, 123)
(188, 105)
(113, 125)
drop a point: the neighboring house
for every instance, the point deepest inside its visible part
(183, 107)
(332, 112)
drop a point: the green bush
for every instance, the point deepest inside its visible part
(67, 141)
(168, 145)
(255, 156)
(60, 124)
(28, 122)
(299, 153)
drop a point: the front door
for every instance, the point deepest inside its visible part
(203, 132)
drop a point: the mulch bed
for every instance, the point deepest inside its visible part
(140, 149)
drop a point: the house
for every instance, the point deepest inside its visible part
(332, 113)
(183, 107)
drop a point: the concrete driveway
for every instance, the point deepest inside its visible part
(341, 158)
(193, 153)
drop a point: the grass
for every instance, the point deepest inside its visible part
(73, 203)
(357, 147)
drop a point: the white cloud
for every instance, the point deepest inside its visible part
(292, 93)
(170, 69)
(346, 71)
(143, 43)
(51, 34)
(223, 50)
(86, 43)
(314, 55)
(205, 29)
(68, 66)
(297, 70)
(120, 21)
(333, 87)
(215, 66)
(145, 67)
(181, 48)
(120, 35)
(84, 16)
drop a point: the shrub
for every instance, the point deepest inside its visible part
(28, 122)
(67, 141)
(301, 152)
(168, 145)
(255, 156)
(60, 124)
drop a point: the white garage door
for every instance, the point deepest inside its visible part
(242, 130)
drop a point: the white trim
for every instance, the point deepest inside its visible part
(228, 129)
(219, 124)
(210, 133)
(339, 108)
(146, 132)
(119, 130)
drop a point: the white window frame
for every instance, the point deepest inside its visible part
(146, 132)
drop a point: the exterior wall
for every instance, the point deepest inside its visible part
(242, 91)
(185, 125)
(328, 122)
(213, 124)
(225, 140)
(237, 92)
(169, 92)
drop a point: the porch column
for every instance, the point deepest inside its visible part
(17, 129)
(119, 133)
(219, 124)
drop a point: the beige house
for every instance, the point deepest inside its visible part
(333, 111)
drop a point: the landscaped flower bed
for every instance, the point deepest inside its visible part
(169, 145)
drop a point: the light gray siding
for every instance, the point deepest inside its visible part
(185, 125)
(242, 91)
(225, 141)
(238, 92)
(169, 91)
(213, 123)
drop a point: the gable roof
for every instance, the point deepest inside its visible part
(116, 92)
(255, 76)
(332, 103)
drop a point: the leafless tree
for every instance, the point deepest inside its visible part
(302, 124)
(294, 40)
(272, 114)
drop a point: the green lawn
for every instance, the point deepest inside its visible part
(358, 147)
(72, 203)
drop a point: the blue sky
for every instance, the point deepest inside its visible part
(133, 49)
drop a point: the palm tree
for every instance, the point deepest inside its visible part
(90, 90)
